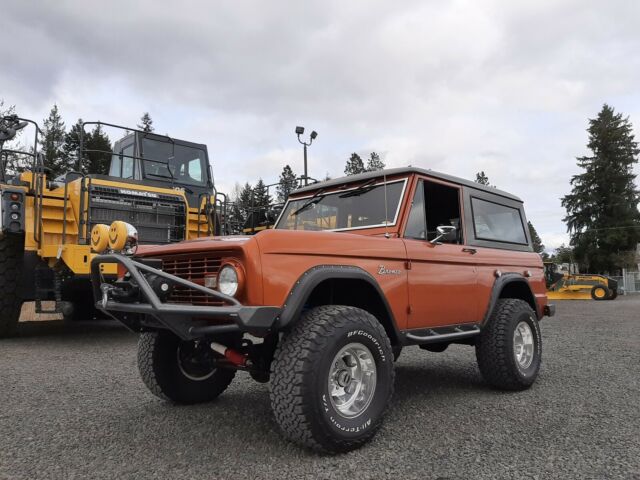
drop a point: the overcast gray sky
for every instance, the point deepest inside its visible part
(458, 86)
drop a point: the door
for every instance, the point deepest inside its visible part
(443, 287)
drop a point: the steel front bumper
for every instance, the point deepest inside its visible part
(186, 321)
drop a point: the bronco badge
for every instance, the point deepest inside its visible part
(382, 270)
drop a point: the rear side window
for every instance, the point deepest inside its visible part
(496, 222)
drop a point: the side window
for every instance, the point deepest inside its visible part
(417, 222)
(116, 163)
(195, 169)
(496, 222)
(127, 162)
(443, 208)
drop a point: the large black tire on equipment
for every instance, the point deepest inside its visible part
(167, 373)
(332, 379)
(613, 295)
(11, 264)
(509, 349)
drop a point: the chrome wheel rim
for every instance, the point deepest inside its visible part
(352, 380)
(191, 366)
(523, 348)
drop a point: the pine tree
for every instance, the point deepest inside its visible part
(602, 209)
(538, 246)
(147, 123)
(354, 165)
(287, 183)
(374, 163)
(71, 147)
(245, 202)
(262, 199)
(97, 152)
(51, 143)
(482, 179)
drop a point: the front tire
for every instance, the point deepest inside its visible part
(11, 265)
(179, 371)
(332, 379)
(509, 349)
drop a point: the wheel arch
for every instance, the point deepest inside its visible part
(511, 285)
(338, 285)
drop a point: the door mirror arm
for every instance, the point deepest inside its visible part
(444, 232)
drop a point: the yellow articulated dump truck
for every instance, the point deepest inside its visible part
(160, 185)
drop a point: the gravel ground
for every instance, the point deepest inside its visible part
(72, 406)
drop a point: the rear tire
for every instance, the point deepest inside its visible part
(332, 379)
(509, 348)
(600, 292)
(171, 375)
(614, 294)
(11, 264)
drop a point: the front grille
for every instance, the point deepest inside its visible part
(193, 267)
(158, 218)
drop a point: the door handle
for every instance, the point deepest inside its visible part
(472, 251)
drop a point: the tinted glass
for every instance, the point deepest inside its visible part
(493, 221)
(344, 209)
(127, 162)
(180, 163)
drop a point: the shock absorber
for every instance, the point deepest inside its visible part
(235, 357)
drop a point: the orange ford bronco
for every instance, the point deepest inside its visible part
(354, 270)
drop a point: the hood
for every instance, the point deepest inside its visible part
(231, 242)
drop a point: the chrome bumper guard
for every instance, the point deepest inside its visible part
(186, 321)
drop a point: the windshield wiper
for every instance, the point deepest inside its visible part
(364, 188)
(158, 175)
(319, 195)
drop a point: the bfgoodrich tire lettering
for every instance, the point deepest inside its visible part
(300, 395)
(164, 377)
(495, 349)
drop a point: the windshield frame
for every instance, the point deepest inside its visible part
(337, 190)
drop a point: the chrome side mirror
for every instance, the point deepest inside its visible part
(444, 232)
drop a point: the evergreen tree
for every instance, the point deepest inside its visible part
(234, 211)
(374, 163)
(97, 152)
(71, 147)
(286, 184)
(354, 165)
(482, 179)
(538, 246)
(245, 202)
(147, 123)
(51, 143)
(602, 209)
(262, 199)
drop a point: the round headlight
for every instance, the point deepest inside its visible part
(228, 280)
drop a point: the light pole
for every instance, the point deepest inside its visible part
(314, 134)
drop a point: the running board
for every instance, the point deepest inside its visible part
(434, 336)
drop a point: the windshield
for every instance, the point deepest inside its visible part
(180, 163)
(358, 207)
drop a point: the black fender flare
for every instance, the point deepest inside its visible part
(310, 279)
(501, 282)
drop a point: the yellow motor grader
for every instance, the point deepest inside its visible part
(160, 185)
(563, 283)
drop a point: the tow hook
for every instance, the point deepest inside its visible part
(105, 288)
(235, 357)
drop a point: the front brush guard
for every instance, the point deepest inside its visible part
(186, 321)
